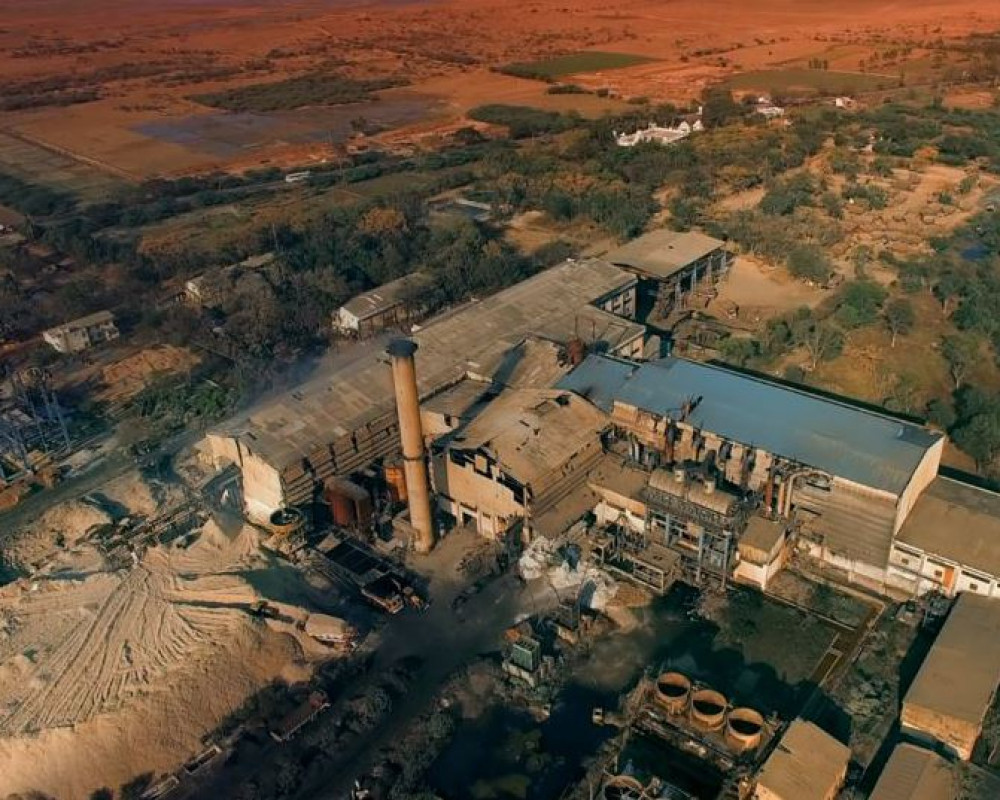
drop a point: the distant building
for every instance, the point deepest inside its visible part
(380, 308)
(914, 773)
(658, 134)
(956, 684)
(807, 764)
(844, 102)
(83, 333)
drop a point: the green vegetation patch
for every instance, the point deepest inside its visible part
(524, 121)
(819, 80)
(549, 69)
(314, 89)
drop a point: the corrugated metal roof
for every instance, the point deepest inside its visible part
(962, 669)
(664, 253)
(958, 522)
(385, 297)
(858, 445)
(914, 773)
(473, 339)
(808, 764)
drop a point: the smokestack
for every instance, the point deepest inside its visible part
(404, 379)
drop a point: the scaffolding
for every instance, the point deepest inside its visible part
(33, 427)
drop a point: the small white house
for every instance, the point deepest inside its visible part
(380, 308)
(658, 134)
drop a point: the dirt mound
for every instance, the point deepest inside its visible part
(110, 674)
(61, 526)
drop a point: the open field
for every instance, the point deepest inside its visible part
(34, 163)
(561, 66)
(785, 80)
(144, 120)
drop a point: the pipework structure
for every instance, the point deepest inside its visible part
(404, 381)
(32, 423)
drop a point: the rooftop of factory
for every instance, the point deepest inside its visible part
(474, 339)
(807, 764)
(663, 253)
(962, 669)
(385, 297)
(847, 441)
(914, 773)
(957, 522)
(532, 432)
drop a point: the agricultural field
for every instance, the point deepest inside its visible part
(34, 163)
(783, 81)
(549, 69)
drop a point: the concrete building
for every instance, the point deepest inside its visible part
(344, 420)
(807, 764)
(672, 266)
(763, 551)
(521, 460)
(847, 475)
(384, 307)
(956, 684)
(83, 333)
(950, 542)
(914, 773)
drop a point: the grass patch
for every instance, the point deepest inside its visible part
(315, 89)
(815, 80)
(549, 69)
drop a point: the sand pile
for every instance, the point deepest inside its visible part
(62, 526)
(108, 675)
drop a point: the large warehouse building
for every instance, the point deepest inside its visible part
(345, 420)
(849, 476)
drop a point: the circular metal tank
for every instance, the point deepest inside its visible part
(708, 709)
(286, 521)
(744, 729)
(622, 787)
(673, 691)
(395, 480)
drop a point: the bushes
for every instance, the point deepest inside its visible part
(315, 89)
(524, 121)
(809, 262)
(32, 199)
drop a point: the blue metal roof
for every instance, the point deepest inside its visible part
(861, 446)
(599, 379)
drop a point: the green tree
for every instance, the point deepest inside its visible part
(809, 262)
(859, 303)
(961, 351)
(718, 107)
(980, 438)
(899, 317)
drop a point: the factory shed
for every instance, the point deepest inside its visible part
(663, 253)
(807, 764)
(381, 307)
(913, 773)
(950, 542)
(526, 455)
(956, 684)
(763, 551)
(344, 418)
(846, 441)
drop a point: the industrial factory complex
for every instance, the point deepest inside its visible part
(549, 408)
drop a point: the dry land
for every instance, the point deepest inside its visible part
(136, 103)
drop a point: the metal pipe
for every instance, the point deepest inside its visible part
(411, 435)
